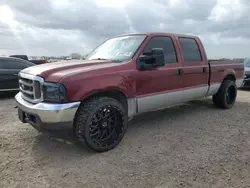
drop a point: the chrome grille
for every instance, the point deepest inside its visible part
(31, 87)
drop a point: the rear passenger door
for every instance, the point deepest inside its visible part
(157, 88)
(195, 70)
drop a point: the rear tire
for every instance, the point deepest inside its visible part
(101, 123)
(226, 95)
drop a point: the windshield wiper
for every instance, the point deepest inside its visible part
(114, 60)
(100, 59)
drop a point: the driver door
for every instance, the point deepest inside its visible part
(160, 87)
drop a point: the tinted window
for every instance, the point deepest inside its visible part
(15, 64)
(167, 44)
(190, 49)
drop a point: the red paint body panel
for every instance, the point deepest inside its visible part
(194, 76)
(157, 81)
(120, 78)
(219, 72)
(83, 78)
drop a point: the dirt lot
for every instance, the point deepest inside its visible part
(193, 145)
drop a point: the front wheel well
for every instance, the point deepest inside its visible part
(119, 96)
(230, 77)
(113, 94)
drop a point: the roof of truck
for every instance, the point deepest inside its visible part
(160, 33)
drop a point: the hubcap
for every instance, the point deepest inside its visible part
(104, 124)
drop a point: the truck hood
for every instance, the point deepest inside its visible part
(55, 71)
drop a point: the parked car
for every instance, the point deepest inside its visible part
(25, 57)
(246, 82)
(9, 69)
(123, 77)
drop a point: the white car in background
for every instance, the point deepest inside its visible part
(246, 82)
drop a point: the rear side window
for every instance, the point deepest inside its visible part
(15, 64)
(190, 49)
(168, 46)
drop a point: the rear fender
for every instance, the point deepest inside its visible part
(226, 73)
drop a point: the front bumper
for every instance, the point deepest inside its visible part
(47, 116)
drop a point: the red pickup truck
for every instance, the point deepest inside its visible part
(123, 77)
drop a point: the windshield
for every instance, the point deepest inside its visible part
(117, 49)
(247, 63)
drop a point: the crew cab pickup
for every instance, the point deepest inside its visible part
(123, 77)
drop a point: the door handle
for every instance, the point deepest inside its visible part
(180, 72)
(204, 69)
(15, 74)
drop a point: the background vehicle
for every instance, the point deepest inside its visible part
(246, 82)
(25, 57)
(9, 69)
(121, 78)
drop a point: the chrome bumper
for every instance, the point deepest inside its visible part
(46, 115)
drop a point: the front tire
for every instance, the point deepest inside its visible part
(226, 95)
(101, 123)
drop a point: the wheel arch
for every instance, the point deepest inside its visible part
(228, 74)
(113, 93)
(230, 77)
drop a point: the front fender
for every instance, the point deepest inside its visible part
(86, 87)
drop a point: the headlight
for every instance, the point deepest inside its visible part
(54, 92)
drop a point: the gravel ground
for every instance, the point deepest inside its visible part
(193, 145)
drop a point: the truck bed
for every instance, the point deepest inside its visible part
(212, 61)
(217, 70)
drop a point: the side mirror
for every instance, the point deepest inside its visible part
(151, 60)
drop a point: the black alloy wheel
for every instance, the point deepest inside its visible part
(101, 123)
(106, 126)
(231, 95)
(226, 95)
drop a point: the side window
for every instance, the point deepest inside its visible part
(14, 64)
(190, 49)
(168, 46)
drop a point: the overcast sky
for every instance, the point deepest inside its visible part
(60, 27)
